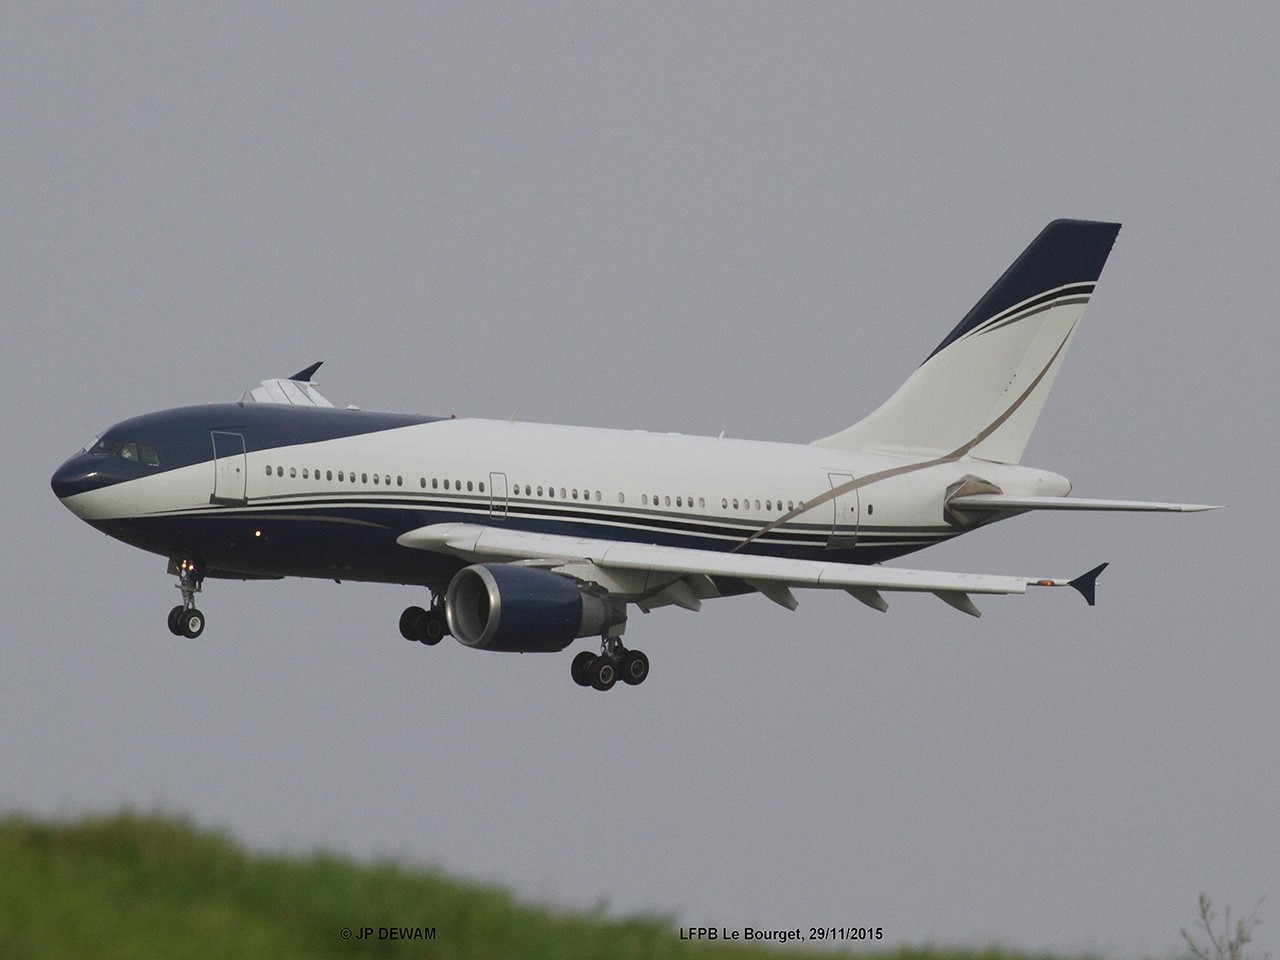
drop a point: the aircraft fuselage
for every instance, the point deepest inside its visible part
(267, 490)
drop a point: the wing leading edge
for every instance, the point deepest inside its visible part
(651, 575)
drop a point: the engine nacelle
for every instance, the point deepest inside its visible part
(501, 606)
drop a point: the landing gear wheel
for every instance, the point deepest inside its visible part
(604, 674)
(634, 667)
(186, 620)
(409, 621)
(431, 629)
(580, 669)
(192, 623)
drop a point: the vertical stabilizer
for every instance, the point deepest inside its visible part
(982, 389)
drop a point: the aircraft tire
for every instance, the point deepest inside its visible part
(431, 628)
(175, 620)
(409, 621)
(192, 623)
(580, 669)
(634, 667)
(604, 673)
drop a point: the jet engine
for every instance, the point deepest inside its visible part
(501, 606)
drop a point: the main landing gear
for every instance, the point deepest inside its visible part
(424, 626)
(185, 620)
(614, 662)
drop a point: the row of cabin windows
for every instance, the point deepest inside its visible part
(769, 505)
(566, 493)
(529, 490)
(343, 476)
(457, 484)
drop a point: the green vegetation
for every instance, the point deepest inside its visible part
(148, 887)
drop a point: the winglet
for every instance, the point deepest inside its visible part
(1086, 583)
(307, 374)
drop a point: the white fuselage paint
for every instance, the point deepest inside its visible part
(630, 485)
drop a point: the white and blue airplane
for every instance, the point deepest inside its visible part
(529, 536)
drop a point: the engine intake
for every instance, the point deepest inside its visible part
(500, 606)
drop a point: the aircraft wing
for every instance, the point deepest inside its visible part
(651, 575)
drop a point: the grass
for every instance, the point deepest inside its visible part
(146, 886)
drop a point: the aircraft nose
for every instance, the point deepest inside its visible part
(77, 475)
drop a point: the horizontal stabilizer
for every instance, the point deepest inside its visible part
(1003, 502)
(297, 391)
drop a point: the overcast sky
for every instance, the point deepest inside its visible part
(741, 217)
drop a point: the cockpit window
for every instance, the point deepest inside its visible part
(136, 452)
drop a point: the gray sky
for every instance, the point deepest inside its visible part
(751, 218)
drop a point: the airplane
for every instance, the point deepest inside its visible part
(531, 536)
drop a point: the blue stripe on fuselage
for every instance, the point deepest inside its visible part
(181, 437)
(358, 541)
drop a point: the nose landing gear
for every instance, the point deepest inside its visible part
(185, 620)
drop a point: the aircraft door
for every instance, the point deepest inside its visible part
(498, 496)
(844, 513)
(230, 470)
